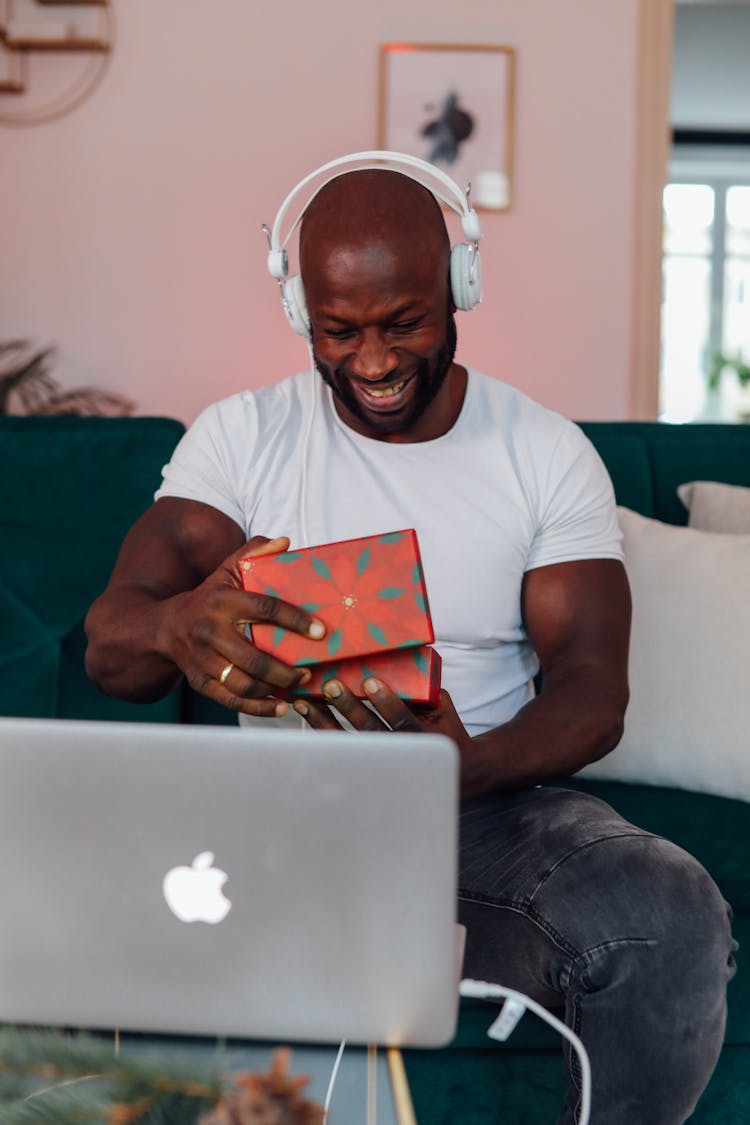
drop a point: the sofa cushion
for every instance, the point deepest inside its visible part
(689, 713)
(713, 506)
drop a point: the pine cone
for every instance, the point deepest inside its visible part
(274, 1098)
(121, 1114)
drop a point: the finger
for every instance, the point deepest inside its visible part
(248, 607)
(316, 715)
(255, 674)
(268, 671)
(268, 610)
(267, 708)
(258, 545)
(353, 709)
(396, 713)
(212, 688)
(222, 629)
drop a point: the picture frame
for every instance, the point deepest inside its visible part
(452, 105)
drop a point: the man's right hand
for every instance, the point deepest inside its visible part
(205, 635)
(175, 606)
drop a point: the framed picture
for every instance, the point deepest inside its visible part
(452, 104)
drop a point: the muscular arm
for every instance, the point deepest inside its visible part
(175, 606)
(172, 548)
(577, 616)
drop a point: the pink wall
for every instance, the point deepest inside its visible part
(130, 230)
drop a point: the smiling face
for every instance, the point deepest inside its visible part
(375, 258)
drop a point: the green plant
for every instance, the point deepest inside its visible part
(27, 386)
(50, 1077)
(721, 363)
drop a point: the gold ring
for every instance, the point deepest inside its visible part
(225, 673)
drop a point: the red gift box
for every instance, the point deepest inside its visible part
(369, 593)
(412, 673)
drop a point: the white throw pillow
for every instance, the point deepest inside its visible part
(688, 721)
(716, 507)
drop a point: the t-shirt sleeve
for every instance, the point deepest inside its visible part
(577, 515)
(203, 467)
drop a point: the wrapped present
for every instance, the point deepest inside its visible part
(412, 673)
(369, 593)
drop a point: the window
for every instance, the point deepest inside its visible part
(706, 288)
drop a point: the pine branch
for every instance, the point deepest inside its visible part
(48, 1076)
(82, 1103)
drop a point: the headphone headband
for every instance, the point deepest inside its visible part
(380, 158)
(465, 266)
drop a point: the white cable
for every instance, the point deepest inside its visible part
(514, 1007)
(331, 1080)
(302, 512)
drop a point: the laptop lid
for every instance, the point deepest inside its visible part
(209, 880)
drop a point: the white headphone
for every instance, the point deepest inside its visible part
(465, 264)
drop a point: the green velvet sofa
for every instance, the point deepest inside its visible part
(70, 488)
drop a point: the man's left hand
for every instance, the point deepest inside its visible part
(390, 712)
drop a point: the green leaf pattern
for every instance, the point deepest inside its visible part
(334, 642)
(377, 633)
(321, 568)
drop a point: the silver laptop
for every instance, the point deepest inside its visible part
(284, 885)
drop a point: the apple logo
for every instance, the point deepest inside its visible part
(194, 893)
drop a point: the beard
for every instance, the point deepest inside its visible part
(430, 374)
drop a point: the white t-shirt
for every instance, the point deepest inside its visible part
(510, 487)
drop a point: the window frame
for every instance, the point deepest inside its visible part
(720, 162)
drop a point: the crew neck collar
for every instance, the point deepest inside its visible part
(359, 438)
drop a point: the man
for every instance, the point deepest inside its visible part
(515, 516)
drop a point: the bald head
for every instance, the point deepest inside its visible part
(371, 211)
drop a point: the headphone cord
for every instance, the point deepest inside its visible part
(332, 1079)
(306, 452)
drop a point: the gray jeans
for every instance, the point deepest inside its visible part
(569, 903)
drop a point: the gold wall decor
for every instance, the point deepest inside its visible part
(32, 31)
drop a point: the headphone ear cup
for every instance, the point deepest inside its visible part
(466, 276)
(295, 307)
